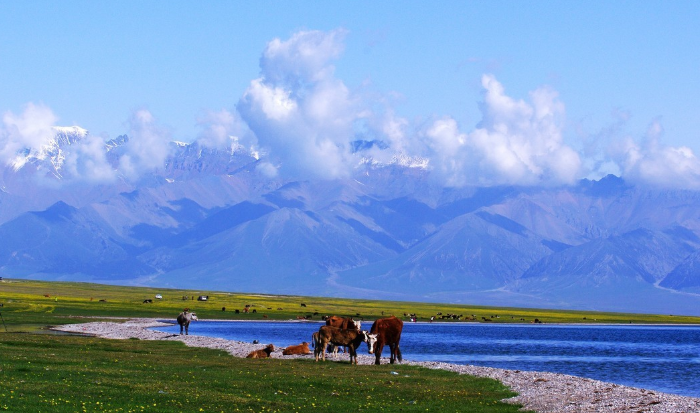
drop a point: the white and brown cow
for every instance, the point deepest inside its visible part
(350, 338)
(385, 331)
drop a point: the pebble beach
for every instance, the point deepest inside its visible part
(537, 391)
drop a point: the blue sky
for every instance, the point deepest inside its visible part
(620, 70)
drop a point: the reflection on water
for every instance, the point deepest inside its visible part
(662, 358)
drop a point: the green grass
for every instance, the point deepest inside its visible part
(66, 373)
(60, 373)
(26, 306)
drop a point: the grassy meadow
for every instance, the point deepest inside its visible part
(43, 371)
(31, 305)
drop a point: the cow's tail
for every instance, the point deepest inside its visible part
(313, 340)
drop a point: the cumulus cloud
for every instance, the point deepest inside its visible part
(515, 142)
(300, 113)
(653, 163)
(87, 161)
(29, 130)
(148, 146)
(223, 130)
(520, 142)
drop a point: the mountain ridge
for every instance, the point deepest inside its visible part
(210, 219)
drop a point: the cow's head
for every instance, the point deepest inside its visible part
(194, 317)
(358, 325)
(371, 340)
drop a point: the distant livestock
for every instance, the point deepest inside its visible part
(184, 320)
(352, 339)
(261, 354)
(385, 331)
(302, 348)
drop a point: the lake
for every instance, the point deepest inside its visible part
(661, 358)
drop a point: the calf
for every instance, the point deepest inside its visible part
(342, 322)
(339, 337)
(302, 348)
(261, 354)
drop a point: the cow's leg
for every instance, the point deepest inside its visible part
(398, 353)
(392, 355)
(187, 329)
(353, 355)
(325, 344)
(181, 328)
(378, 352)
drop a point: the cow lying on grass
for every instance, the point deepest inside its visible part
(261, 354)
(302, 348)
(350, 338)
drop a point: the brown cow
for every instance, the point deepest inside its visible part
(302, 348)
(342, 322)
(385, 331)
(339, 337)
(261, 354)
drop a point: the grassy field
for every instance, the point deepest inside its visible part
(29, 305)
(52, 373)
(42, 371)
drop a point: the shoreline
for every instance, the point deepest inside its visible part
(542, 392)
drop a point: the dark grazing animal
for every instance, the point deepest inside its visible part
(385, 331)
(261, 354)
(184, 320)
(350, 338)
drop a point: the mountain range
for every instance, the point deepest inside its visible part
(208, 219)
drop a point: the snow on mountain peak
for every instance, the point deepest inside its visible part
(51, 150)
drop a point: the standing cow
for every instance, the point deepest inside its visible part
(184, 320)
(338, 337)
(385, 331)
(345, 323)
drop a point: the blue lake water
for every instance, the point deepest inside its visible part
(662, 358)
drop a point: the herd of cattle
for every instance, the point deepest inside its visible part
(338, 332)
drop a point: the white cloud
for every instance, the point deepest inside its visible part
(521, 143)
(223, 129)
(515, 142)
(656, 164)
(31, 129)
(148, 146)
(300, 113)
(87, 161)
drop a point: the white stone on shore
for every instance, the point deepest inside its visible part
(539, 391)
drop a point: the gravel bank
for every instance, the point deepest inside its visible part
(538, 391)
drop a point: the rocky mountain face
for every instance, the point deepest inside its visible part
(209, 220)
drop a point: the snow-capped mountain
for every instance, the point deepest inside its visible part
(209, 218)
(51, 154)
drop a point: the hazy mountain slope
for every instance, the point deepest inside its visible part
(64, 240)
(281, 250)
(210, 218)
(471, 252)
(686, 276)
